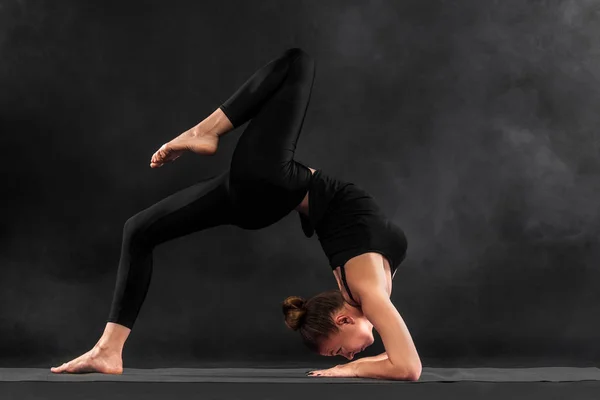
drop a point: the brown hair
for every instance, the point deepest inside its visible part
(313, 317)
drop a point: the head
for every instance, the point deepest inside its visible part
(328, 325)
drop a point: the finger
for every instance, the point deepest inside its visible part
(60, 368)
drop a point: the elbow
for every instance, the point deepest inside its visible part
(415, 373)
(409, 373)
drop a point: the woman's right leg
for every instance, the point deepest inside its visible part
(203, 205)
(198, 207)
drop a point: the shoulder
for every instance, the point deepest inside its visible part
(366, 274)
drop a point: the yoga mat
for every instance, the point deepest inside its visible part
(298, 375)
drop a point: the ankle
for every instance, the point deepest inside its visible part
(114, 337)
(217, 124)
(199, 132)
(109, 345)
(103, 347)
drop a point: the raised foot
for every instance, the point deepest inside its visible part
(205, 144)
(94, 360)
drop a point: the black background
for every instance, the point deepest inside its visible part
(474, 124)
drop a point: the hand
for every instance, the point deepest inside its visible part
(340, 371)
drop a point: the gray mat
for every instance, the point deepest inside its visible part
(298, 375)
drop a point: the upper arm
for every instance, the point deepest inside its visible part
(399, 346)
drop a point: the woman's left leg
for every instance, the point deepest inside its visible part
(266, 183)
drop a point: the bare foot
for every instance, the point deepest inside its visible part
(95, 360)
(205, 144)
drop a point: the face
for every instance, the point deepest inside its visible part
(356, 333)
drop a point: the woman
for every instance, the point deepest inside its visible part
(263, 185)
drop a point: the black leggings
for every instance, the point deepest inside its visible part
(263, 184)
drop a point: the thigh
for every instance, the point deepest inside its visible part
(265, 151)
(203, 205)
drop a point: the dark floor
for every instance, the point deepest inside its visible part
(194, 390)
(292, 383)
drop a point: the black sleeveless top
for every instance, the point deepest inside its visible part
(348, 222)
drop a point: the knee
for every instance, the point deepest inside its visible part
(296, 52)
(134, 228)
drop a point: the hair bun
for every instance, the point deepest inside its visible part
(294, 310)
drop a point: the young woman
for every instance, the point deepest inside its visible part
(263, 185)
